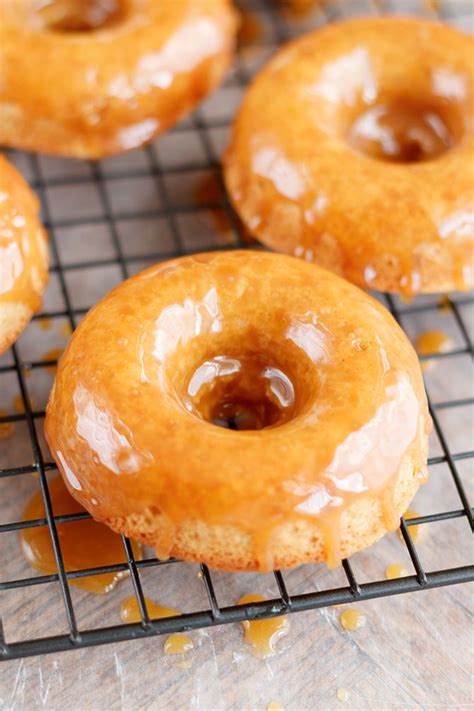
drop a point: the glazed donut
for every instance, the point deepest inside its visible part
(323, 436)
(354, 148)
(23, 255)
(89, 78)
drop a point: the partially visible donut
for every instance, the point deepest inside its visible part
(23, 254)
(354, 148)
(320, 389)
(89, 78)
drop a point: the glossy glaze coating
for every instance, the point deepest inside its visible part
(318, 389)
(88, 78)
(354, 148)
(23, 254)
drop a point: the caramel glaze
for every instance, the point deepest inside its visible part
(208, 192)
(395, 570)
(351, 619)
(298, 8)
(84, 544)
(175, 643)
(130, 612)
(317, 389)
(415, 529)
(65, 330)
(274, 706)
(362, 156)
(132, 70)
(431, 343)
(7, 429)
(45, 324)
(178, 644)
(250, 29)
(19, 404)
(342, 695)
(263, 635)
(23, 254)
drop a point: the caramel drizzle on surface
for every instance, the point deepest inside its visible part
(84, 544)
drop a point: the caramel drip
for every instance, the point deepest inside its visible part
(53, 354)
(130, 612)
(432, 342)
(298, 9)
(175, 643)
(330, 527)
(178, 644)
(263, 635)
(45, 324)
(6, 428)
(19, 405)
(444, 304)
(84, 544)
(342, 695)
(164, 545)
(208, 192)
(390, 514)
(263, 549)
(351, 619)
(65, 329)
(415, 529)
(250, 29)
(395, 570)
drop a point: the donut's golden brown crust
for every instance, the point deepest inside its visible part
(93, 93)
(354, 148)
(318, 363)
(23, 255)
(293, 543)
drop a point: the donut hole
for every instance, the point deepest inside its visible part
(241, 392)
(250, 390)
(405, 130)
(74, 15)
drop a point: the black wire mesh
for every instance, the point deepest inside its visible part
(151, 166)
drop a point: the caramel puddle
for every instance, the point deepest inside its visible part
(263, 635)
(130, 612)
(432, 342)
(84, 544)
(351, 619)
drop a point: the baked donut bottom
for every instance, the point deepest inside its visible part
(360, 525)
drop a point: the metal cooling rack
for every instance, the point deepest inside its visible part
(207, 128)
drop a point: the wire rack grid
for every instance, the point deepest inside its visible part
(174, 222)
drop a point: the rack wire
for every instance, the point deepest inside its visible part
(150, 165)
